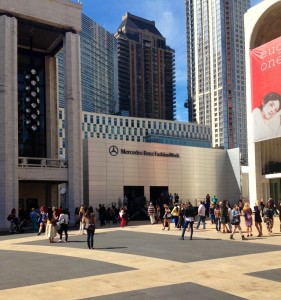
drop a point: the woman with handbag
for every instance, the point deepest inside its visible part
(236, 222)
(90, 226)
(167, 217)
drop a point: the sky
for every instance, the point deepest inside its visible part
(169, 17)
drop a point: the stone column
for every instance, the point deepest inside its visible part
(73, 133)
(8, 118)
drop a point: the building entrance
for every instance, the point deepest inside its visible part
(134, 197)
(159, 194)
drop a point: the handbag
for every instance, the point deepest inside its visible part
(235, 221)
(91, 227)
(169, 216)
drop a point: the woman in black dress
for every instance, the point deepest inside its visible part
(258, 220)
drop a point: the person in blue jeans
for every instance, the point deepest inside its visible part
(90, 222)
(188, 215)
(201, 215)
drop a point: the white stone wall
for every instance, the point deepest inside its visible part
(8, 118)
(197, 172)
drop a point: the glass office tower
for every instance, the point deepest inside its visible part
(216, 69)
(98, 69)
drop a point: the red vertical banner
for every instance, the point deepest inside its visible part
(266, 90)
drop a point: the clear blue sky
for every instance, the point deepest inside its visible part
(169, 17)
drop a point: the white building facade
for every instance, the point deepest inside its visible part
(262, 44)
(114, 168)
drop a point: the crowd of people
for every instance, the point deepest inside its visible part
(226, 219)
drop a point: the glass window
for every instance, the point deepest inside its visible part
(121, 122)
(85, 118)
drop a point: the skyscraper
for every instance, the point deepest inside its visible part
(146, 70)
(99, 82)
(216, 69)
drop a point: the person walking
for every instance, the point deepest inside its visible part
(268, 217)
(81, 219)
(224, 217)
(247, 211)
(151, 213)
(217, 214)
(236, 222)
(201, 215)
(175, 214)
(63, 222)
(90, 226)
(167, 217)
(122, 215)
(42, 220)
(34, 219)
(189, 217)
(258, 220)
(51, 230)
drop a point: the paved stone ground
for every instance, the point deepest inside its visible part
(141, 262)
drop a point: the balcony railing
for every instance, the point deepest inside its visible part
(35, 162)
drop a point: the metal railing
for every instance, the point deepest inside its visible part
(36, 162)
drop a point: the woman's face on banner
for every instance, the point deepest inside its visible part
(270, 109)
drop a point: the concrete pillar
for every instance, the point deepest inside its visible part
(8, 118)
(73, 135)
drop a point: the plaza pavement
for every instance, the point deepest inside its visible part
(141, 261)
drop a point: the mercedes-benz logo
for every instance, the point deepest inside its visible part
(113, 150)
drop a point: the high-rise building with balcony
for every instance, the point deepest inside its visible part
(216, 69)
(146, 70)
(99, 79)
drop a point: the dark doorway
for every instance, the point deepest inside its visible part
(134, 196)
(31, 203)
(159, 194)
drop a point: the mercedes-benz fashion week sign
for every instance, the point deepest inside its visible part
(113, 150)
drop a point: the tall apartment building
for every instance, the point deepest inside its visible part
(146, 70)
(216, 69)
(99, 79)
